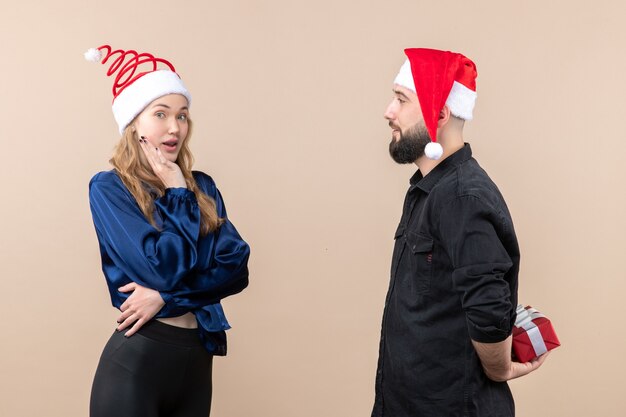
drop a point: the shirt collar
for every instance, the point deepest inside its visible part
(450, 163)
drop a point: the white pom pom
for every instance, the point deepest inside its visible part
(433, 150)
(93, 55)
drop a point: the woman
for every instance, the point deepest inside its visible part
(169, 253)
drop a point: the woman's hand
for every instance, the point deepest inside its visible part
(143, 304)
(167, 171)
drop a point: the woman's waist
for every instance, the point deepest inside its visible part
(186, 321)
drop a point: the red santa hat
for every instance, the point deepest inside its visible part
(138, 81)
(439, 78)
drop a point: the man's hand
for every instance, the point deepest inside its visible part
(497, 364)
(143, 304)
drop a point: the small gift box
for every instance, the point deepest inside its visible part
(533, 334)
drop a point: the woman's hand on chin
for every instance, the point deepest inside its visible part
(167, 171)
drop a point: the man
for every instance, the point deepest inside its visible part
(445, 346)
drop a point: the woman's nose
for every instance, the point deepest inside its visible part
(174, 128)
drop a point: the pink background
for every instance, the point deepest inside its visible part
(288, 103)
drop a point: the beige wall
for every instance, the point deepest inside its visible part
(288, 103)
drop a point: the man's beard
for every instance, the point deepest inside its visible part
(410, 145)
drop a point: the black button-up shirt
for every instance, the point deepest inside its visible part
(453, 279)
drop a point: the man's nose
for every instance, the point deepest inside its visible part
(389, 113)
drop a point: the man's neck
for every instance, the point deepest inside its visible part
(450, 143)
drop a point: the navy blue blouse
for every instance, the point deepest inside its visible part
(191, 272)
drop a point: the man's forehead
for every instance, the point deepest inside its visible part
(403, 91)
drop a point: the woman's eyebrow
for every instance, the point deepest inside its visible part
(168, 107)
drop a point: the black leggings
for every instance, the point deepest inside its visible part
(160, 371)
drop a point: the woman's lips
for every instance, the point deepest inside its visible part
(170, 145)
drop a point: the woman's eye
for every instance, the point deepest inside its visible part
(182, 117)
(160, 115)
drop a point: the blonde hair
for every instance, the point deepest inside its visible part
(131, 165)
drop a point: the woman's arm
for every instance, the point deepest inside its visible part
(227, 273)
(153, 258)
(226, 276)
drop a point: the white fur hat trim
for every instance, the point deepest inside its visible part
(134, 98)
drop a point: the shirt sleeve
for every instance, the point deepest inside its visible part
(227, 273)
(157, 259)
(469, 229)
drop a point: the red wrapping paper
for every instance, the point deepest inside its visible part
(531, 328)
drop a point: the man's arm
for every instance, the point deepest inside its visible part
(497, 364)
(471, 232)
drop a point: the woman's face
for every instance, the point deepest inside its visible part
(163, 123)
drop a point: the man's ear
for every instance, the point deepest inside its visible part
(444, 116)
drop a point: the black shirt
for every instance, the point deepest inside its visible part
(453, 279)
